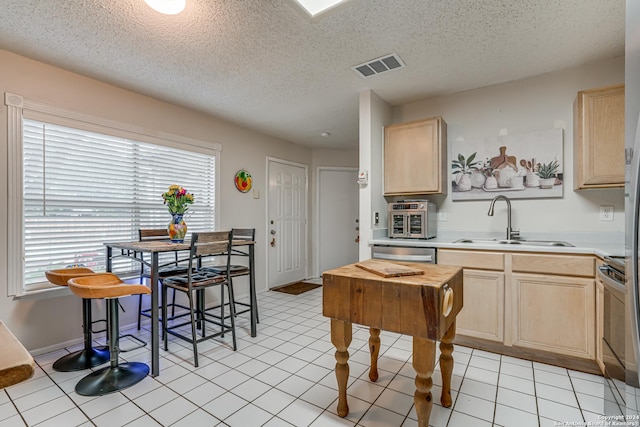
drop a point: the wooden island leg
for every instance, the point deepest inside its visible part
(424, 361)
(374, 348)
(446, 364)
(341, 338)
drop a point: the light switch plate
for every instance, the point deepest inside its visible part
(606, 213)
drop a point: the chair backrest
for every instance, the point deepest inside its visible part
(152, 234)
(244, 234)
(211, 243)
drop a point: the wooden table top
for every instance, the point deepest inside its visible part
(434, 274)
(163, 245)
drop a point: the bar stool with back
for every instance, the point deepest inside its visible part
(166, 270)
(248, 234)
(117, 376)
(194, 283)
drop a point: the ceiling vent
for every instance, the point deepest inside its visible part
(379, 66)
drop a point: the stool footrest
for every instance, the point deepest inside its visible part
(133, 338)
(99, 330)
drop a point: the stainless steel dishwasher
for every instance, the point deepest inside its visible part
(404, 253)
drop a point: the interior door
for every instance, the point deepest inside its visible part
(287, 222)
(338, 226)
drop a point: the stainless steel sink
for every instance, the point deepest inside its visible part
(516, 242)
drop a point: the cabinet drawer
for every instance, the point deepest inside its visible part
(565, 265)
(472, 259)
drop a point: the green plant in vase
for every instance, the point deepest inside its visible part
(464, 168)
(547, 173)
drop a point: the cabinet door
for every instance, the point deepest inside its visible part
(415, 157)
(599, 138)
(599, 322)
(555, 313)
(482, 314)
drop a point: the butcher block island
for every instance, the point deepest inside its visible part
(417, 299)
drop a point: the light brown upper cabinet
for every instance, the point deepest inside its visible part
(598, 138)
(415, 158)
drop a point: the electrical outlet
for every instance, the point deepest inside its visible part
(606, 213)
(442, 215)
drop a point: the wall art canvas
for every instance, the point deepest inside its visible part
(522, 166)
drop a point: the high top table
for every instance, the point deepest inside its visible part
(424, 306)
(154, 248)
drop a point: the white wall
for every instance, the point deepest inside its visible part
(43, 322)
(375, 113)
(532, 104)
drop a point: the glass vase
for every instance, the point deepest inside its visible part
(177, 228)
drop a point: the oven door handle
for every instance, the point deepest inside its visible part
(608, 281)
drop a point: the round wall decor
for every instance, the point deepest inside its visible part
(243, 181)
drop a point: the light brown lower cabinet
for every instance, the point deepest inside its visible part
(555, 313)
(530, 305)
(483, 314)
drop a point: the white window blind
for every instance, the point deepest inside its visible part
(81, 189)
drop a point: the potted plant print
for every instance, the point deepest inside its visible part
(464, 168)
(177, 200)
(547, 173)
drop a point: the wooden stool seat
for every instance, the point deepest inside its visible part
(103, 286)
(62, 276)
(116, 376)
(90, 356)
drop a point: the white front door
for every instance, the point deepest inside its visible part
(338, 226)
(287, 222)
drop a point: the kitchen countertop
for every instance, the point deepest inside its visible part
(591, 243)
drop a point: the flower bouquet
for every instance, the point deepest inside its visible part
(177, 200)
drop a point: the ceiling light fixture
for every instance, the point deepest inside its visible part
(168, 7)
(325, 134)
(316, 7)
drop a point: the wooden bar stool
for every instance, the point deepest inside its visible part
(116, 376)
(90, 356)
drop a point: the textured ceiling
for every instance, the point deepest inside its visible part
(266, 65)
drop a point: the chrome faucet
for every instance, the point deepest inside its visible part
(511, 233)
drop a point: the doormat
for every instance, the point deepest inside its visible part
(296, 288)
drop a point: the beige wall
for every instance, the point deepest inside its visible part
(522, 106)
(43, 322)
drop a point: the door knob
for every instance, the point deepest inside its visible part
(273, 231)
(273, 242)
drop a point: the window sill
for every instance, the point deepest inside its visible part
(53, 292)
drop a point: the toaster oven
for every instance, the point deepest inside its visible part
(412, 219)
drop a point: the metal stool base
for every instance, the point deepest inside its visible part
(111, 379)
(83, 359)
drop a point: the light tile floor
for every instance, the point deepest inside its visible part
(284, 377)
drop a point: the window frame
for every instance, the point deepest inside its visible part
(19, 107)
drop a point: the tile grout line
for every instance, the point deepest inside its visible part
(16, 408)
(495, 400)
(575, 394)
